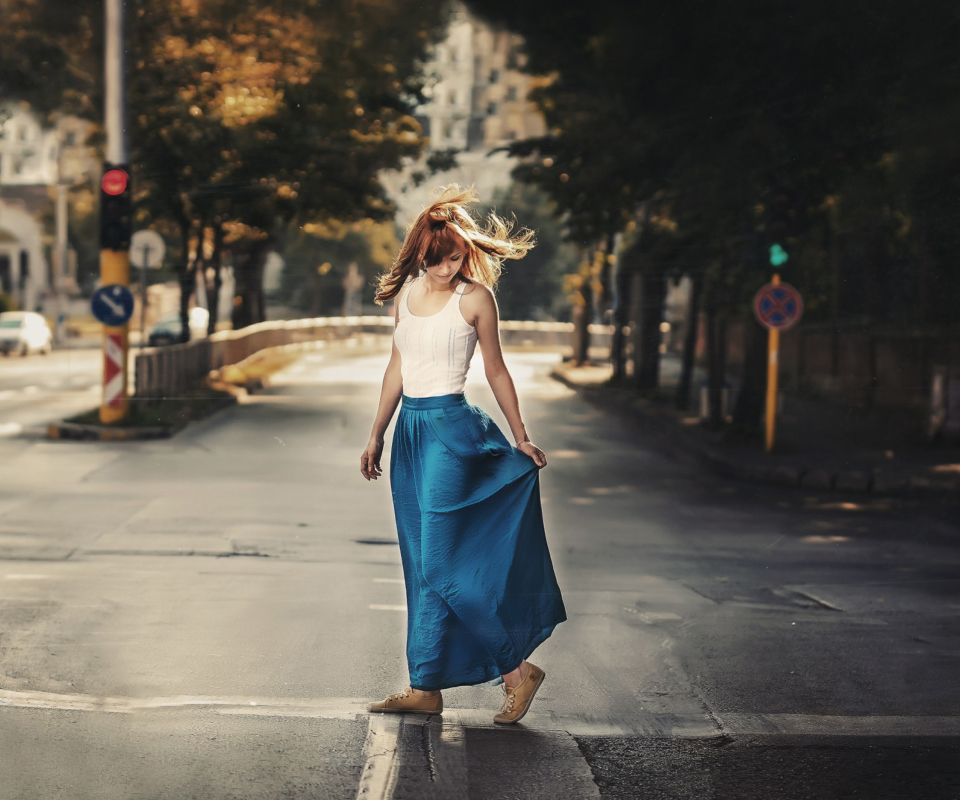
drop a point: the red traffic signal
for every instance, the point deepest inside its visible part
(114, 182)
(115, 211)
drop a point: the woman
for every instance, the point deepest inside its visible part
(481, 592)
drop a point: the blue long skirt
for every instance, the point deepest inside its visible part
(481, 591)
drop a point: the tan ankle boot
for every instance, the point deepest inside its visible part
(517, 700)
(406, 702)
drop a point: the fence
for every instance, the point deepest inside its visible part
(910, 372)
(166, 371)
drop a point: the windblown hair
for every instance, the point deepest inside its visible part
(445, 226)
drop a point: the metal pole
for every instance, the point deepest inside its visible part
(143, 296)
(114, 105)
(114, 264)
(773, 368)
(60, 257)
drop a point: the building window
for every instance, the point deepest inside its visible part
(494, 75)
(491, 109)
(512, 60)
(512, 93)
(71, 139)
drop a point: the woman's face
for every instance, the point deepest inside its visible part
(445, 271)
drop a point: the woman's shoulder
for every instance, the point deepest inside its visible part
(477, 291)
(477, 301)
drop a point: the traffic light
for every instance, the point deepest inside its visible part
(115, 207)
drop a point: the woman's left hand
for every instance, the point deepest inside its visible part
(530, 449)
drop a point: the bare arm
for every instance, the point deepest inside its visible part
(389, 400)
(480, 308)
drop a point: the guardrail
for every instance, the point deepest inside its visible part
(167, 371)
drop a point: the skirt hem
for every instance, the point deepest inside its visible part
(492, 673)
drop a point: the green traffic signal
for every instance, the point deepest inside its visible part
(778, 256)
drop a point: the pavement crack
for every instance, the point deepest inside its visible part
(426, 742)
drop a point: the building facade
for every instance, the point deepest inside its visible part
(478, 102)
(38, 164)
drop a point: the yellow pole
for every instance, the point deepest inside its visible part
(773, 365)
(114, 268)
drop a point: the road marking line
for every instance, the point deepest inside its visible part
(348, 708)
(384, 607)
(351, 708)
(388, 580)
(830, 725)
(10, 428)
(30, 389)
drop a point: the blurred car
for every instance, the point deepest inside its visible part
(24, 331)
(167, 329)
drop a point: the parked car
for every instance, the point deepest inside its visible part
(24, 331)
(167, 329)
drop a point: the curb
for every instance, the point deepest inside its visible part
(75, 431)
(104, 433)
(727, 465)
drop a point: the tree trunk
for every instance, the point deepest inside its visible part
(717, 334)
(690, 342)
(250, 306)
(186, 279)
(213, 295)
(620, 321)
(604, 278)
(716, 354)
(753, 388)
(582, 313)
(653, 291)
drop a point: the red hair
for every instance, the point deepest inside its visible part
(446, 226)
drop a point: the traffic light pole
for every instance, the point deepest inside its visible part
(114, 256)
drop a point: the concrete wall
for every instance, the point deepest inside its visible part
(876, 367)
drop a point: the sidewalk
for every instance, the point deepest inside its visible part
(820, 446)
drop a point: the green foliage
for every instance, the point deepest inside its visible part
(532, 288)
(317, 259)
(243, 118)
(749, 123)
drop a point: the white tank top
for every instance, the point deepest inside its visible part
(435, 351)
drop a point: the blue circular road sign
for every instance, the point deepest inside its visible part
(112, 305)
(778, 305)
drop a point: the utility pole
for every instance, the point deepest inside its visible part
(114, 218)
(60, 258)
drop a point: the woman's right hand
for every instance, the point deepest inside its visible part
(370, 460)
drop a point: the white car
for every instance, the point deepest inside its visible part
(23, 331)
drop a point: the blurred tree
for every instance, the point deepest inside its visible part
(51, 55)
(318, 256)
(760, 123)
(532, 288)
(275, 115)
(243, 119)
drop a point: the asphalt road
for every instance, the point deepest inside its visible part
(206, 617)
(38, 389)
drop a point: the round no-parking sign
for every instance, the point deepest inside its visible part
(778, 306)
